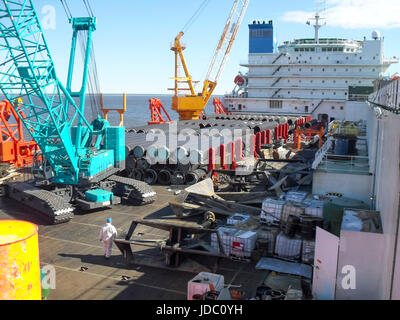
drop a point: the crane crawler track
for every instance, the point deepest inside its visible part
(55, 209)
(136, 192)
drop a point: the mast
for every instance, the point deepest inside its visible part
(317, 26)
(318, 18)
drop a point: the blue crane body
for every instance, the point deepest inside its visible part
(75, 152)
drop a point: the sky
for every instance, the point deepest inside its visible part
(133, 38)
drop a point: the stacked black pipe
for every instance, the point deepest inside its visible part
(138, 148)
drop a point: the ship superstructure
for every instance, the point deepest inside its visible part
(316, 76)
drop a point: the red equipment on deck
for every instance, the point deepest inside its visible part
(239, 80)
(308, 133)
(13, 147)
(219, 107)
(156, 109)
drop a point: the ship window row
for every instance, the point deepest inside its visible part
(327, 57)
(324, 81)
(335, 70)
(327, 49)
(333, 49)
(319, 58)
(276, 84)
(304, 49)
(321, 94)
(312, 81)
(266, 33)
(262, 85)
(275, 104)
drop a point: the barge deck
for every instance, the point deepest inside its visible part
(82, 273)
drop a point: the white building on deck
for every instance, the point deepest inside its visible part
(373, 177)
(307, 76)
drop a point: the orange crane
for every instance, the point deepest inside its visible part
(13, 147)
(308, 132)
(156, 109)
(119, 110)
(190, 106)
(219, 108)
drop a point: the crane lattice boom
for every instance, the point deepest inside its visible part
(27, 73)
(190, 106)
(79, 160)
(227, 39)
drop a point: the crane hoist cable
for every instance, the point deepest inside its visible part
(88, 7)
(191, 21)
(93, 74)
(95, 84)
(195, 16)
(93, 78)
(92, 81)
(66, 9)
(189, 106)
(93, 91)
(90, 87)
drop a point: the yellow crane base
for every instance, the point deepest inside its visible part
(188, 107)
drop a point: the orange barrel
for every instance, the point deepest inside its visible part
(19, 261)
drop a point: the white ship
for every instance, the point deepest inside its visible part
(316, 76)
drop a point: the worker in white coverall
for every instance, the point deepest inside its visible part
(107, 235)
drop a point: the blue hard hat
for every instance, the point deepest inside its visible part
(109, 220)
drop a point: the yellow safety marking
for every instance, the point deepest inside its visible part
(334, 194)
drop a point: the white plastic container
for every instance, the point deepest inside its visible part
(289, 248)
(315, 208)
(292, 208)
(243, 243)
(237, 218)
(294, 294)
(225, 235)
(271, 211)
(296, 196)
(270, 234)
(308, 250)
(204, 282)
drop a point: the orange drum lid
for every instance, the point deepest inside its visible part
(12, 231)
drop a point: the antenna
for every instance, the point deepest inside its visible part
(319, 17)
(320, 6)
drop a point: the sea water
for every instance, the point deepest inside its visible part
(137, 110)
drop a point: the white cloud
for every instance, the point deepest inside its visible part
(354, 14)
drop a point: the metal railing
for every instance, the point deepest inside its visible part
(358, 97)
(325, 41)
(320, 154)
(351, 164)
(236, 95)
(388, 97)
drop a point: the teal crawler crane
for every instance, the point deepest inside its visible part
(79, 160)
